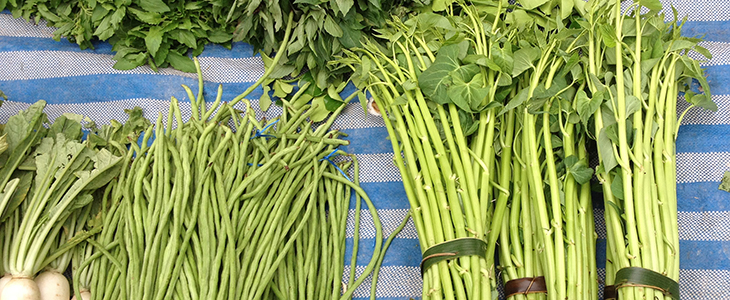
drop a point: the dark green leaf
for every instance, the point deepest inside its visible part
(153, 39)
(219, 36)
(151, 18)
(580, 171)
(617, 187)
(435, 80)
(516, 101)
(332, 28)
(523, 60)
(586, 106)
(154, 6)
(180, 62)
(468, 95)
(605, 149)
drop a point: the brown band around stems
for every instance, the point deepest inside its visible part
(524, 286)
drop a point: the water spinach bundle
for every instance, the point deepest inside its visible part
(637, 67)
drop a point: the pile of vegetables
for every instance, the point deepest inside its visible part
(223, 205)
(491, 108)
(49, 177)
(162, 34)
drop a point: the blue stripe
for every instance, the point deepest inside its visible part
(703, 138)
(694, 255)
(703, 255)
(384, 195)
(702, 196)
(402, 252)
(716, 31)
(691, 197)
(716, 77)
(10, 43)
(97, 88)
(368, 141)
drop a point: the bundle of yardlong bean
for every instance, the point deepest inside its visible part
(226, 207)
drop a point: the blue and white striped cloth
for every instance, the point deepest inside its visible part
(33, 67)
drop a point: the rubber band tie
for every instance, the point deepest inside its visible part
(259, 133)
(328, 158)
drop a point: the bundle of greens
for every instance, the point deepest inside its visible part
(54, 174)
(637, 67)
(149, 32)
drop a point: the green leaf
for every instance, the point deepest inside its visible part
(265, 100)
(282, 89)
(320, 110)
(151, 18)
(332, 28)
(702, 100)
(435, 81)
(651, 4)
(578, 169)
(725, 183)
(531, 4)
(468, 95)
(633, 105)
(153, 39)
(586, 106)
(617, 187)
(181, 62)
(219, 36)
(608, 35)
(350, 36)
(520, 98)
(154, 6)
(345, 6)
(702, 50)
(523, 60)
(504, 58)
(185, 37)
(605, 148)
(441, 5)
(681, 45)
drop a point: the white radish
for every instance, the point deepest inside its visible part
(4, 281)
(21, 288)
(53, 286)
(85, 295)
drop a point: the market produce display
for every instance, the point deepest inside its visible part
(535, 145)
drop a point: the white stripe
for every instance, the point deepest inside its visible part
(720, 54)
(701, 116)
(378, 168)
(390, 219)
(702, 167)
(393, 281)
(704, 226)
(354, 117)
(25, 65)
(693, 226)
(20, 28)
(704, 284)
(694, 10)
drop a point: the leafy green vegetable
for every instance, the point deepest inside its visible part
(725, 182)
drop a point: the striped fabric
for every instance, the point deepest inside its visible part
(33, 66)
